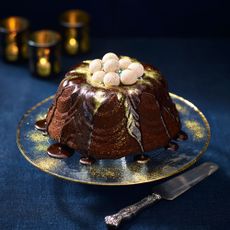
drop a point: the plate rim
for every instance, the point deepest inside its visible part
(186, 166)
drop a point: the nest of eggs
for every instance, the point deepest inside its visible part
(113, 71)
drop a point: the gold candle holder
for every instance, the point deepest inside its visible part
(75, 30)
(13, 39)
(45, 53)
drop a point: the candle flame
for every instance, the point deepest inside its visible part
(43, 60)
(72, 41)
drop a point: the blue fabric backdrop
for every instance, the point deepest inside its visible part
(197, 69)
(131, 17)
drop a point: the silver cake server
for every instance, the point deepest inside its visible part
(168, 190)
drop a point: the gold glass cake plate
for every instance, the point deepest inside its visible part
(124, 171)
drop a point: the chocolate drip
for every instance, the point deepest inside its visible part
(54, 106)
(131, 102)
(172, 146)
(59, 151)
(87, 102)
(162, 120)
(87, 160)
(72, 110)
(65, 84)
(162, 104)
(41, 125)
(142, 158)
(88, 111)
(169, 112)
(181, 136)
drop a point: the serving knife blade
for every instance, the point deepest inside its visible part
(168, 190)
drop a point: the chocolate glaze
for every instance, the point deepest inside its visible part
(142, 158)
(112, 122)
(41, 125)
(59, 151)
(181, 136)
(87, 160)
(172, 146)
(133, 124)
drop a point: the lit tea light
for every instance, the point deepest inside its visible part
(72, 46)
(43, 67)
(72, 42)
(11, 52)
(75, 29)
(13, 38)
(44, 53)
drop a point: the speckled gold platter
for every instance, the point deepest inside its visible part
(124, 171)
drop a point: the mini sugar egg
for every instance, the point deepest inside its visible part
(137, 67)
(111, 79)
(124, 63)
(128, 77)
(111, 65)
(95, 65)
(109, 56)
(98, 76)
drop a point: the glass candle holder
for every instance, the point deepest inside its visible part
(75, 31)
(45, 53)
(13, 39)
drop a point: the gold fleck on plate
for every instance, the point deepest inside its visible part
(124, 171)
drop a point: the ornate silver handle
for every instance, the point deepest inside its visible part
(126, 213)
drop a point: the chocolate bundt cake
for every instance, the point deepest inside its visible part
(110, 115)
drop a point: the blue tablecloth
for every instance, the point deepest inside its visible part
(197, 69)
